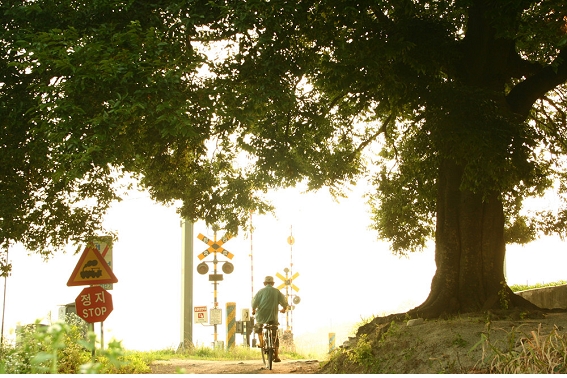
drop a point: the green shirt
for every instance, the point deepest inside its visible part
(266, 302)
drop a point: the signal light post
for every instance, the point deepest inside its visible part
(214, 248)
(289, 288)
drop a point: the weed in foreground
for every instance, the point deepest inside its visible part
(458, 341)
(62, 348)
(534, 354)
(362, 353)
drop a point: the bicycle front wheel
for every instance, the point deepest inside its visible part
(270, 358)
(268, 349)
(263, 351)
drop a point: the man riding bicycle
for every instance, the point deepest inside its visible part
(266, 301)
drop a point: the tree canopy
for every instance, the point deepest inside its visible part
(453, 110)
(91, 90)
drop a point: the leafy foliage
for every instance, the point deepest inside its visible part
(66, 348)
(92, 90)
(46, 349)
(212, 103)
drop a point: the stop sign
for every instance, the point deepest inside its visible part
(94, 304)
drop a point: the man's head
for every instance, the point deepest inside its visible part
(269, 280)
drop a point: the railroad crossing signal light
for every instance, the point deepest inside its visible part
(296, 300)
(215, 246)
(227, 267)
(202, 268)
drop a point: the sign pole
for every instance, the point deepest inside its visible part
(291, 241)
(93, 352)
(215, 261)
(287, 300)
(215, 246)
(251, 260)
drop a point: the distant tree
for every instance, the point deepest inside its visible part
(455, 111)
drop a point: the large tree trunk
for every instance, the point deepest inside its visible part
(469, 253)
(470, 247)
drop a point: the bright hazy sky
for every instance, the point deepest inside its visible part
(345, 275)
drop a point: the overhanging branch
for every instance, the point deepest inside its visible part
(522, 97)
(382, 130)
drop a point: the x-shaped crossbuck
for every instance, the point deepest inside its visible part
(287, 281)
(214, 246)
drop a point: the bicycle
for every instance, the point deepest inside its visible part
(270, 335)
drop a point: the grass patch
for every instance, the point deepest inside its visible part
(238, 353)
(534, 353)
(68, 348)
(516, 288)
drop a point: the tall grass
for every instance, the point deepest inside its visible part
(68, 348)
(533, 354)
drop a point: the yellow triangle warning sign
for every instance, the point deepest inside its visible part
(91, 269)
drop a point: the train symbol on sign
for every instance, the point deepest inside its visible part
(91, 270)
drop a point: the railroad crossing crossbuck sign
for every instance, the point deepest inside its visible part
(287, 281)
(288, 284)
(214, 246)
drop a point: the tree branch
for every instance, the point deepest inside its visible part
(522, 97)
(519, 67)
(382, 129)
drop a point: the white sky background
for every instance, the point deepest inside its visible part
(345, 275)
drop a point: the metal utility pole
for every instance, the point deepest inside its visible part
(215, 282)
(289, 287)
(4, 302)
(290, 241)
(251, 259)
(186, 284)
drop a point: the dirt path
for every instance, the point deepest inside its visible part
(234, 367)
